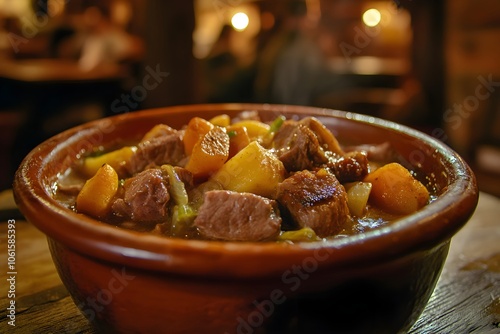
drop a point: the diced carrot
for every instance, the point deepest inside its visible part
(97, 194)
(395, 190)
(209, 153)
(196, 129)
(238, 139)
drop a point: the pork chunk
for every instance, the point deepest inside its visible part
(145, 198)
(233, 216)
(297, 146)
(350, 167)
(157, 151)
(316, 200)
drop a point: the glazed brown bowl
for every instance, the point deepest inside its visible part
(127, 281)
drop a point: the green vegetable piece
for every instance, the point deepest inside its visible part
(304, 234)
(276, 124)
(183, 214)
(177, 188)
(182, 219)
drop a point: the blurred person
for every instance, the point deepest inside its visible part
(227, 80)
(291, 62)
(105, 42)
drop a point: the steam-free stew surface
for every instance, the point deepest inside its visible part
(242, 179)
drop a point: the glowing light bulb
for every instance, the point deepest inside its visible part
(240, 21)
(371, 17)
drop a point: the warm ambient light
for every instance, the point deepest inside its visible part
(371, 17)
(240, 21)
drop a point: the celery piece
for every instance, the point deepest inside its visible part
(276, 124)
(304, 234)
(182, 219)
(177, 188)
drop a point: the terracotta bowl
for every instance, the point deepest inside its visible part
(126, 281)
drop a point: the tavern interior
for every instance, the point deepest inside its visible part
(431, 65)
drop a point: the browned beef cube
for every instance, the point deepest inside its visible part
(297, 147)
(352, 166)
(158, 151)
(185, 176)
(145, 198)
(316, 200)
(228, 215)
(325, 137)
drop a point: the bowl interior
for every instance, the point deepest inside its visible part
(452, 179)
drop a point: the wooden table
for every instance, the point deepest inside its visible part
(466, 299)
(55, 70)
(49, 96)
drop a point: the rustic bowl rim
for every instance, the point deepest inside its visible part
(429, 227)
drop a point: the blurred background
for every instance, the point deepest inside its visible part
(432, 65)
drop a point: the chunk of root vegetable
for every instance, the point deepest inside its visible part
(238, 139)
(209, 153)
(116, 159)
(221, 120)
(196, 129)
(255, 129)
(97, 194)
(395, 190)
(253, 170)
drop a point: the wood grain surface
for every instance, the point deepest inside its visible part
(466, 299)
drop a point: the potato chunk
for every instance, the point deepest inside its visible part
(116, 159)
(238, 139)
(255, 129)
(196, 129)
(221, 120)
(97, 194)
(209, 153)
(395, 190)
(254, 170)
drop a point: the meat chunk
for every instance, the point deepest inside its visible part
(145, 198)
(157, 151)
(326, 139)
(351, 167)
(185, 176)
(159, 130)
(297, 146)
(380, 152)
(233, 216)
(316, 200)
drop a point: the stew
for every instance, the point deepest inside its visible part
(243, 179)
